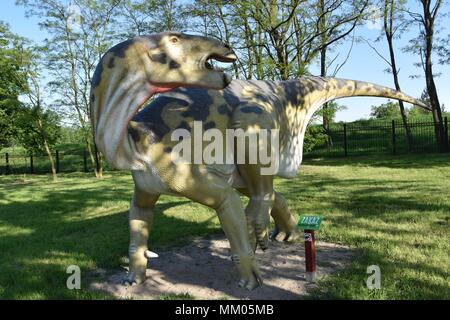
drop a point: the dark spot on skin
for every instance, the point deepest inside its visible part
(341, 83)
(97, 76)
(252, 109)
(223, 109)
(174, 65)
(198, 100)
(151, 120)
(209, 125)
(168, 149)
(111, 63)
(120, 49)
(184, 125)
(261, 97)
(231, 99)
(295, 89)
(159, 57)
(134, 133)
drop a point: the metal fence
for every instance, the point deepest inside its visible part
(67, 161)
(347, 139)
(379, 137)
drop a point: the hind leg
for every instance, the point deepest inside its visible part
(215, 193)
(140, 222)
(284, 220)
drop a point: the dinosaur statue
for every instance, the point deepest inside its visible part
(141, 140)
(285, 105)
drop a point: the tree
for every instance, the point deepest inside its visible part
(80, 34)
(394, 23)
(424, 46)
(418, 111)
(334, 22)
(140, 17)
(39, 126)
(12, 82)
(388, 110)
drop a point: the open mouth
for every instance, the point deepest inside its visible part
(229, 58)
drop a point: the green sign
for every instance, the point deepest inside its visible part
(310, 222)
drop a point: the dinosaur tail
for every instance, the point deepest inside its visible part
(342, 88)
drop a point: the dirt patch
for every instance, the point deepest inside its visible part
(204, 270)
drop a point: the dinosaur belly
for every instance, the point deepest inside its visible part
(150, 182)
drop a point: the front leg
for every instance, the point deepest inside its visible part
(140, 221)
(232, 220)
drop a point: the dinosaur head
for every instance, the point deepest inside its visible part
(184, 60)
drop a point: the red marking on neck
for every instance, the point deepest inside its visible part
(162, 89)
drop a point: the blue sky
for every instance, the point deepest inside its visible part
(363, 64)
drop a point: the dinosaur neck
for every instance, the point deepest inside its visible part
(121, 99)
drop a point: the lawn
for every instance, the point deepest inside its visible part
(395, 210)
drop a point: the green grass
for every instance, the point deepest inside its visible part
(395, 210)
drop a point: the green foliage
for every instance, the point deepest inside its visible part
(71, 135)
(36, 126)
(388, 110)
(12, 82)
(315, 136)
(329, 111)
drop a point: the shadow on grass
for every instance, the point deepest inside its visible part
(372, 215)
(407, 161)
(48, 235)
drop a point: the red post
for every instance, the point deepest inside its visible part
(310, 255)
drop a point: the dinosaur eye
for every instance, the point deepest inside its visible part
(173, 39)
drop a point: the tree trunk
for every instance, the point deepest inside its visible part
(323, 68)
(428, 21)
(47, 150)
(388, 28)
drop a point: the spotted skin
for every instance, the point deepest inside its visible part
(287, 106)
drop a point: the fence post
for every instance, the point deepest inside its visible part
(31, 164)
(7, 162)
(85, 160)
(446, 132)
(57, 161)
(394, 151)
(345, 140)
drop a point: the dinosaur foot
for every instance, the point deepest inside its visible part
(250, 276)
(291, 235)
(133, 278)
(138, 267)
